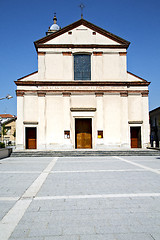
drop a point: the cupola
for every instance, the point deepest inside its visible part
(54, 27)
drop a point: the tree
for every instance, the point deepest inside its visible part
(4, 131)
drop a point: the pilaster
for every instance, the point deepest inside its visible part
(99, 120)
(145, 116)
(67, 119)
(125, 142)
(41, 133)
(19, 123)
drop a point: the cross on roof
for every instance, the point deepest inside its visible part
(81, 6)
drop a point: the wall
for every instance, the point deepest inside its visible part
(5, 152)
(57, 66)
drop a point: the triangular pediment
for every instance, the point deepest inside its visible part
(82, 32)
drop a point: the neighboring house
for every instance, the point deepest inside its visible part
(155, 126)
(4, 117)
(9, 133)
(82, 95)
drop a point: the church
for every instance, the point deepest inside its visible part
(82, 96)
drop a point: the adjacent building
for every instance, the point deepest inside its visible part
(155, 127)
(82, 95)
(8, 129)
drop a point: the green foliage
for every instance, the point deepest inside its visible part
(2, 145)
(4, 130)
(14, 134)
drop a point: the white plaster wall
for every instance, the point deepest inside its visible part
(81, 35)
(97, 68)
(114, 67)
(41, 128)
(31, 108)
(56, 66)
(83, 101)
(112, 120)
(19, 123)
(125, 140)
(54, 121)
(135, 108)
(146, 127)
(41, 66)
(131, 77)
(53, 115)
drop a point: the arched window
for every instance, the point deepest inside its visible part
(82, 67)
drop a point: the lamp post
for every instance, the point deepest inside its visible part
(7, 97)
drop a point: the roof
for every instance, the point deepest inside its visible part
(155, 110)
(6, 115)
(121, 41)
(138, 77)
(10, 120)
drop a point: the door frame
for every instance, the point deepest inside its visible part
(74, 127)
(91, 131)
(140, 135)
(85, 113)
(30, 125)
(26, 136)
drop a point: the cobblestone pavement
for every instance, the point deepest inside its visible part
(80, 198)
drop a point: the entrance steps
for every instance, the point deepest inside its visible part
(84, 153)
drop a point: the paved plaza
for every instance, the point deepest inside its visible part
(80, 198)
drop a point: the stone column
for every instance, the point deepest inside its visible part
(19, 123)
(145, 118)
(41, 65)
(41, 133)
(125, 141)
(100, 119)
(67, 116)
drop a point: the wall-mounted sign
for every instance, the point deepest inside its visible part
(67, 134)
(100, 134)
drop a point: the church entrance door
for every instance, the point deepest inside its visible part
(135, 137)
(83, 133)
(31, 137)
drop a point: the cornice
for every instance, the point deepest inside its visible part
(91, 46)
(66, 93)
(80, 83)
(84, 23)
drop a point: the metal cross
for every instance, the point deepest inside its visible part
(81, 6)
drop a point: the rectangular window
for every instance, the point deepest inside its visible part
(82, 67)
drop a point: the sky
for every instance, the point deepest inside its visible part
(24, 21)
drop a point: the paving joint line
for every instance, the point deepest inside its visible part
(14, 215)
(121, 195)
(138, 165)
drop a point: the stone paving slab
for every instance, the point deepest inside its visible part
(52, 215)
(92, 165)
(115, 218)
(5, 206)
(14, 185)
(99, 183)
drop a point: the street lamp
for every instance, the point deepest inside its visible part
(7, 97)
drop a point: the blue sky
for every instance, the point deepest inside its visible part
(23, 22)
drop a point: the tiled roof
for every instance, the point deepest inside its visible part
(6, 116)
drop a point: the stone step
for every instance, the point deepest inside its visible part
(84, 153)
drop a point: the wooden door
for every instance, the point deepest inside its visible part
(31, 138)
(83, 133)
(135, 137)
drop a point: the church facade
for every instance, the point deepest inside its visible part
(82, 96)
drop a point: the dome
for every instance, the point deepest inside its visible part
(54, 27)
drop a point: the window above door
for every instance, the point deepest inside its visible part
(82, 67)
